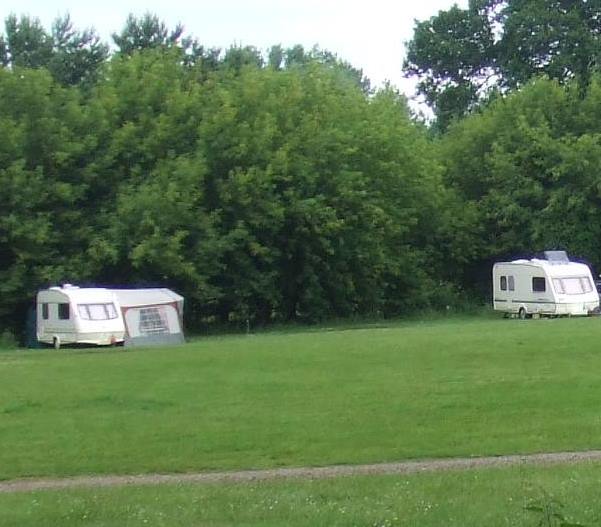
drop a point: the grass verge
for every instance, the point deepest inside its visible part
(504, 496)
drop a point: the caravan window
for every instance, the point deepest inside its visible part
(558, 286)
(586, 284)
(63, 311)
(511, 283)
(539, 284)
(45, 311)
(574, 285)
(97, 311)
(503, 283)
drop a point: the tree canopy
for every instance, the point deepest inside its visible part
(461, 56)
(72, 57)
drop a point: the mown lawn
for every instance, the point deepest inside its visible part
(413, 390)
(491, 497)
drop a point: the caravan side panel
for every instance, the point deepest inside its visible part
(526, 286)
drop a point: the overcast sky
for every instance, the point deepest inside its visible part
(369, 34)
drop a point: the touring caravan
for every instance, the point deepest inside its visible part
(99, 316)
(73, 315)
(550, 286)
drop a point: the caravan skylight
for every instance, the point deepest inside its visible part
(558, 257)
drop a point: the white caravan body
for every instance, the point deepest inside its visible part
(73, 315)
(544, 287)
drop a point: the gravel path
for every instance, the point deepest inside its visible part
(403, 467)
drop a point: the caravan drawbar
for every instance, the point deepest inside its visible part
(551, 286)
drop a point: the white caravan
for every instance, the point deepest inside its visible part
(70, 315)
(94, 315)
(551, 286)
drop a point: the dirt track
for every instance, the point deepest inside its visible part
(403, 467)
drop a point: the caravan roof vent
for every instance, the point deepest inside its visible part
(70, 286)
(557, 257)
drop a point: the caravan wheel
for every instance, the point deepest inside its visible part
(522, 313)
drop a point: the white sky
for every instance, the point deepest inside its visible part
(369, 34)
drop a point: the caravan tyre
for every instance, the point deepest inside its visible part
(522, 313)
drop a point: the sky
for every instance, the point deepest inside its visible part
(370, 34)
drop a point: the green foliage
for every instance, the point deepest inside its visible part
(45, 198)
(146, 32)
(262, 192)
(78, 56)
(26, 43)
(528, 168)
(284, 188)
(453, 56)
(460, 55)
(72, 57)
(314, 202)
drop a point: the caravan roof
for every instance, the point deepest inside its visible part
(84, 295)
(553, 268)
(125, 297)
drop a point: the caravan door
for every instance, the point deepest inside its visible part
(543, 300)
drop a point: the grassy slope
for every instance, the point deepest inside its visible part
(452, 388)
(474, 498)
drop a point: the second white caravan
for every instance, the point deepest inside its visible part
(550, 286)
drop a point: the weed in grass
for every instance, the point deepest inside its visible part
(549, 511)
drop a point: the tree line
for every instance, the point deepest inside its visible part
(272, 187)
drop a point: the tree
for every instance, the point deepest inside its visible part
(259, 192)
(73, 57)
(461, 55)
(453, 56)
(44, 206)
(26, 44)
(237, 57)
(527, 166)
(297, 56)
(322, 196)
(77, 55)
(149, 32)
(557, 38)
(146, 32)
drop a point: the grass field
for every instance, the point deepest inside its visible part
(414, 390)
(492, 497)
